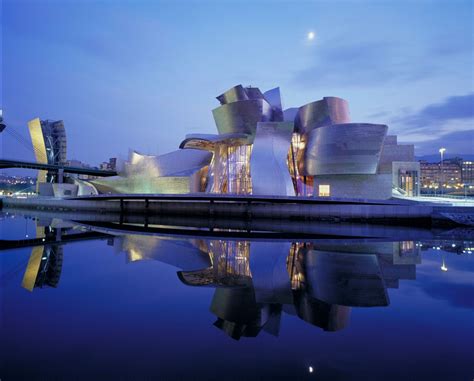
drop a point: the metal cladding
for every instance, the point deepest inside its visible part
(177, 172)
(260, 149)
(343, 149)
(243, 107)
(236, 93)
(209, 142)
(268, 166)
(274, 98)
(242, 116)
(329, 110)
(180, 162)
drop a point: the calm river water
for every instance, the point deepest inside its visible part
(109, 302)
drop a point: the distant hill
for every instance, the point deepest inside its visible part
(435, 158)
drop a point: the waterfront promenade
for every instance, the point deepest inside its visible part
(396, 211)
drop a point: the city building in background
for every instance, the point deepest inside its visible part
(467, 173)
(451, 176)
(262, 149)
(17, 185)
(110, 165)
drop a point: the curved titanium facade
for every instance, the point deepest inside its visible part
(343, 149)
(273, 97)
(180, 162)
(268, 163)
(209, 142)
(177, 172)
(329, 110)
(236, 93)
(242, 116)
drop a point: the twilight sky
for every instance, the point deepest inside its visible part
(140, 75)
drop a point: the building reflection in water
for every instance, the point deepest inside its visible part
(45, 262)
(319, 282)
(256, 281)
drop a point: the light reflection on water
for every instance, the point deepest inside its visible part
(215, 299)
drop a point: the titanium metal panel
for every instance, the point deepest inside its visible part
(180, 162)
(236, 93)
(175, 172)
(242, 116)
(343, 149)
(254, 93)
(289, 115)
(268, 163)
(144, 184)
(329, 110)
(274, 98)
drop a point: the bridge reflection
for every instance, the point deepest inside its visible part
(256, 279)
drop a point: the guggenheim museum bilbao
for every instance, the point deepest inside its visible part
(259, 149)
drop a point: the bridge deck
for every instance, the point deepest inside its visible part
(55, 168)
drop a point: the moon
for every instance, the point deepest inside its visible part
(311, 36)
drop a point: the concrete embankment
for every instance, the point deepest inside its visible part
(249, 207)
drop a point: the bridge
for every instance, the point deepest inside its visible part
(55, 168)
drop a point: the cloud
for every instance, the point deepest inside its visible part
(369, 63)
(459, 107)
(449, 123)
(456, 143)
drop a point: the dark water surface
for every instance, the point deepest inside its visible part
(102, 304)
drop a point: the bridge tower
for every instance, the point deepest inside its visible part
(50, 146)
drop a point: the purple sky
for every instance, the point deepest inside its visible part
(140, 75)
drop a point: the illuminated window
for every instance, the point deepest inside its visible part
(324, 191)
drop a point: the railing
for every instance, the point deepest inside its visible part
(452, 196)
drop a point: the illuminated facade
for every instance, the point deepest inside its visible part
(447, 177)
(262, 149)
(49, 145)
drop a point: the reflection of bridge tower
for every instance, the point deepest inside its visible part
(45, 263)
(49, 144)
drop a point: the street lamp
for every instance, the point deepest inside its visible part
(443, 266)
(441, 151)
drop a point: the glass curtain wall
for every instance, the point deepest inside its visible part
(229, 171)
(304, 185)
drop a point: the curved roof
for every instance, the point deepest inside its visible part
(329, 110)
(242, 116)
(209, 141)
(175, 163)
(344, 149)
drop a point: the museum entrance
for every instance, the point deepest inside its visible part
(408, 182)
